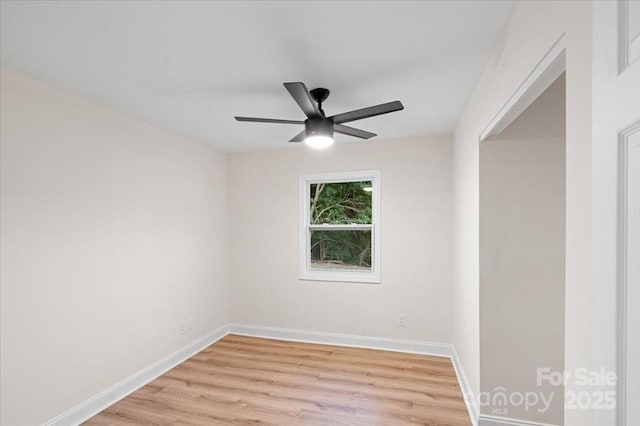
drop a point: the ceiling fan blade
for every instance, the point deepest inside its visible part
(346, 130)
(268, 120)
(299, 137)
(304, 100)
(359, 114)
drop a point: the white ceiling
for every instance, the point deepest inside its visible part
(189, 67)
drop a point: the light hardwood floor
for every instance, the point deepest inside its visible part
(248, 380)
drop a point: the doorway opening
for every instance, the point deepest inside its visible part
(522, 263)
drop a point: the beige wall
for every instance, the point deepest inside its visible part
(533, 29)
(522, 258)
(112, 233)
(415, 232)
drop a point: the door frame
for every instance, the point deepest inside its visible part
(624, 145)
(542, 75)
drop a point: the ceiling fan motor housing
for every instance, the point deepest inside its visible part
(318, 127)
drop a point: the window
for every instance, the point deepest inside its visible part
(339, 227)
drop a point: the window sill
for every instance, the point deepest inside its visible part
(340, 277)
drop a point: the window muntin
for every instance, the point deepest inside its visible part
(339, 232)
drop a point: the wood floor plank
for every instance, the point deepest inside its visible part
(249, 380)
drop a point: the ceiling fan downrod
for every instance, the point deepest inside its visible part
(320, 95)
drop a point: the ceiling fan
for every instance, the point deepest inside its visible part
(318, 128)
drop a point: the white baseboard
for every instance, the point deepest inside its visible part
(486, 420)
(109, 396)
(349, 340)
(467, 393)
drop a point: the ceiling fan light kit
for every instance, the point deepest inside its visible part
(318, 132)
(318, 128)
(319, 142)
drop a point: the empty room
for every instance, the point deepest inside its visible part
(362, 213)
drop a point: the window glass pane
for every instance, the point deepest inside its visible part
(341, 250)
(340, 203)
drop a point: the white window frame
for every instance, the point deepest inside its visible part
(306, 272)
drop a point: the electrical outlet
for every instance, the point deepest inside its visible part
(185, 325)
(402, 320)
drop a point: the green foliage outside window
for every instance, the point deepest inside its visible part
(340, 203)
(345, 203)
